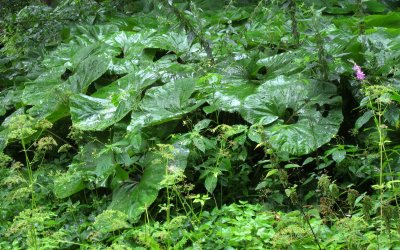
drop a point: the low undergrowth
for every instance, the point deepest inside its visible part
(199, 125)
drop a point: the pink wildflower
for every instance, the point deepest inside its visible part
(359, 74)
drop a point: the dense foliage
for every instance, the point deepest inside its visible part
(200, 124)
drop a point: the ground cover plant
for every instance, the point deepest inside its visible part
(200, 124)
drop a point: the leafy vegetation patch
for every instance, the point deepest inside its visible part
(199, 125)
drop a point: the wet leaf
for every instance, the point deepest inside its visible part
(299, 115)
(165, 103)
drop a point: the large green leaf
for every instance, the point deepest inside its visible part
(165, 103)
(49, 95)
(390, 20)
(89, 34)
(287, 63)
(88, 71)
(136, 81)
(175, 42)
(299, 115)
(134, 198)
(111, 103)
(89, 113)
(130, 46)
(227, 90)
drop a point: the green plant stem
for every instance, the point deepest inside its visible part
(31, 186)
(168, 210)
(301, 210)
(30, 173)
(292, 12)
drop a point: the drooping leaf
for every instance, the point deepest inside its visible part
(89, 113)
(226, 91)
(211, 182)
(111, 103)
(165, 103)
(362, 120)
(299, 115)
(134, 198)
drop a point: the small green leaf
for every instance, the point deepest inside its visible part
(338, 155)
(201, 125)
(211, 182)
(199, 144)
(308, 160)
(291, 165)
(110, 221)
(363, 119)
(271, 172)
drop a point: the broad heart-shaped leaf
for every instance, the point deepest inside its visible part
(299, 115)
(116, 101)
(227, 90)
(133, 199)
(165, 103)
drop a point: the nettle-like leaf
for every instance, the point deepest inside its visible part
(165, 103)
(298, 115)
(134, 198)
(111, 103)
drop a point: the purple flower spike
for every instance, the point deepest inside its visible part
(359, 74)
